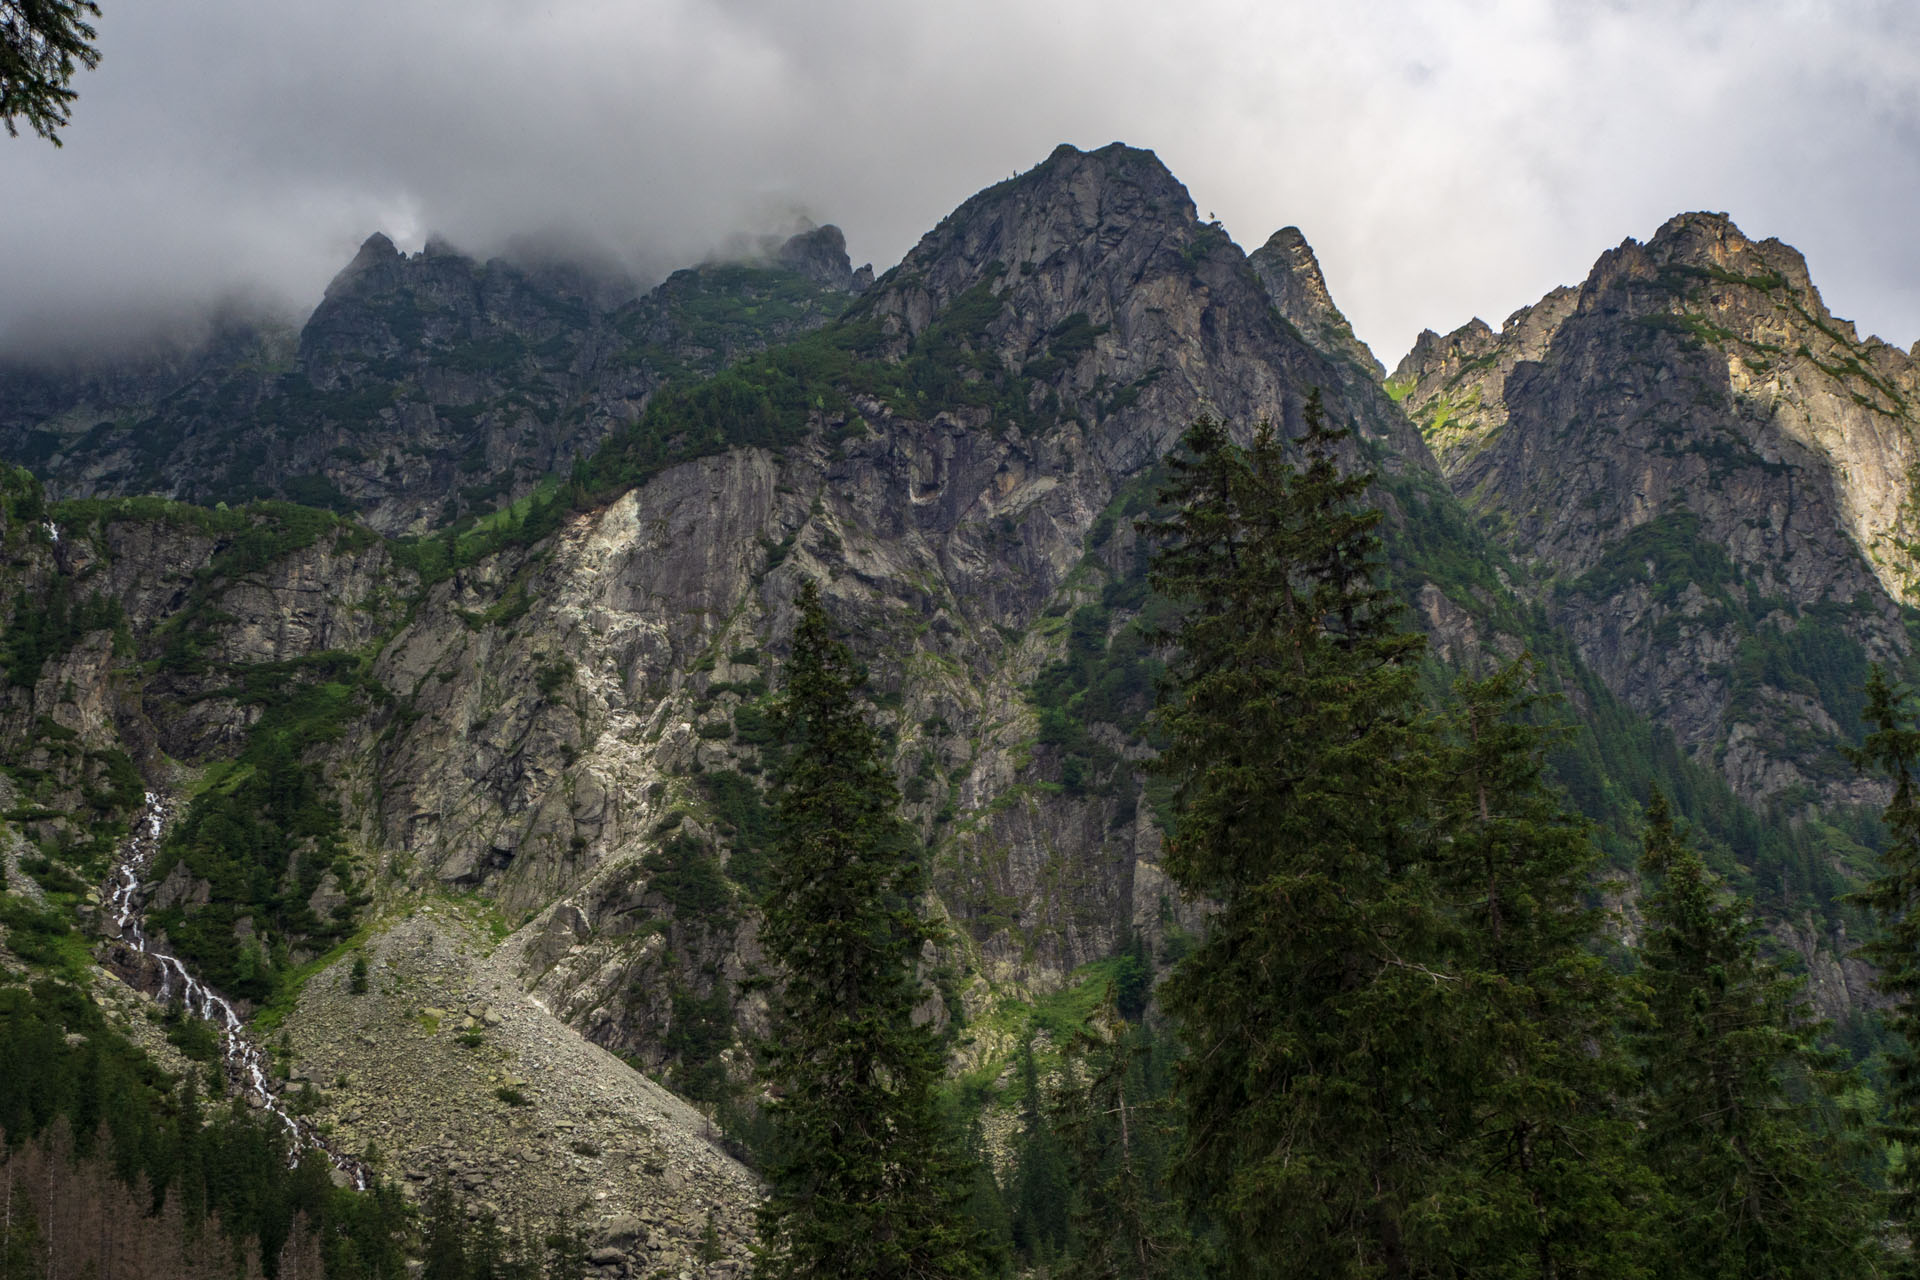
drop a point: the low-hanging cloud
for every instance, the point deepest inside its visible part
(1445, 159)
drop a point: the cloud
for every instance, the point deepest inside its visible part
(1445, 159)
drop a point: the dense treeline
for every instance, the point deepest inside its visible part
(110, 1168)
(1737, 1123)
(64, 1214)
(159, 1168)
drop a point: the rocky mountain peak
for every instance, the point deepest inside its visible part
(1694, 411)
(1093, 274)
(1069, 218)
(1712, 240)
(1702, 242)
(1287, 266)
(1702, 227)
(1457, 383)
(819, 254)
(1532, 327)
(377, 253)
(1471, 340)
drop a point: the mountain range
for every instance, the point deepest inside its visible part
(443, 633)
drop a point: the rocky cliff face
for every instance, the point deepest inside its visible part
(1455, 386)
(46, 402)
(1117, 299)
(954, 541)
(1715, 475)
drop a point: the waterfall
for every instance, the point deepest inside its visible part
(244, 1061)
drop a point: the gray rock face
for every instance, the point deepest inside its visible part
(1180, 316)
(1714, 471)
(111, 720)
(45, 402)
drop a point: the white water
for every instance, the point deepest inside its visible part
(246, 1065)
(53, 531)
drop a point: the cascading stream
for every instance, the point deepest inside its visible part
(244, 1061)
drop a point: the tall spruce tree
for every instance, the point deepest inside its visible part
(1299, 758)
(1539, 1176)
(1892, 749)
(1758, 1175)
(866, 1179)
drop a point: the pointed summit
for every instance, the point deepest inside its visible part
(1084, 208)
(1454, 386)
(1093, 272)
(1286, 265)
(377, 252)
(1711, 240)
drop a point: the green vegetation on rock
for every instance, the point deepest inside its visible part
(265, 837)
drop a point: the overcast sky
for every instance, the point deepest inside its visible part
(1446, 158)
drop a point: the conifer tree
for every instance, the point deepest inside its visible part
(525, 1248)
(1040, 1190)
(865, 1179)
(486, 1249)
(191, 1161)
(42, 44)
(1892, 749)
(1114, 1128)
(1756, 1171)
(1296, 749)
(1539, 1176)
(567, 1255)
(986, 1206)
(443, 1232)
